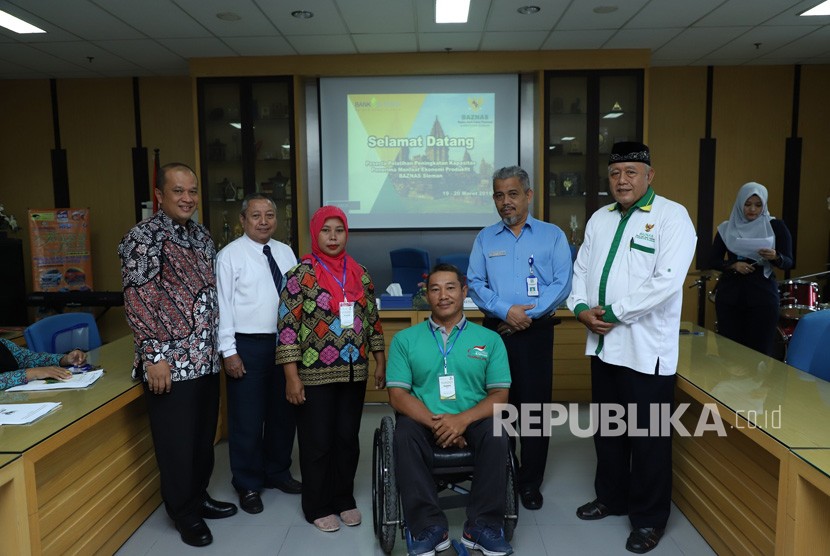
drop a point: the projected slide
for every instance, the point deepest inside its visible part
(421, 159)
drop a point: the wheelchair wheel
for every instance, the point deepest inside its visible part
(511, 507)
(384, 486)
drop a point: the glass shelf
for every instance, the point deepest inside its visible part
(579, 135)
(247, 145)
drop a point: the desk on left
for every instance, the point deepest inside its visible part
(89, 468)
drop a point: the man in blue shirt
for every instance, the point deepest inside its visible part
(520, 272)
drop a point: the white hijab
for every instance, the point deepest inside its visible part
(739, 227)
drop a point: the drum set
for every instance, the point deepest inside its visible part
(798, 298)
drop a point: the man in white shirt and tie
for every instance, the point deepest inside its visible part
(261, 425)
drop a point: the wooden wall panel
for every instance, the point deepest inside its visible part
(677, 122)
(25, 163)
(751, 120)
(814, 216)
(167, 121)
(97, 131)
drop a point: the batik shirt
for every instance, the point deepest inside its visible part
(170, 296)
(25, 360)
(310, 334)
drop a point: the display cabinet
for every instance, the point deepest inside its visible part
(246, 139)
(586, 112)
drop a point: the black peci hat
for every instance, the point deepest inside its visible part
(630, 151)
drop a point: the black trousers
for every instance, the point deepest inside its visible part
(530, 354)
(634, 473)
(414, 446)
(328, 427)
(751, 326)
(183, 425)
(261, 422)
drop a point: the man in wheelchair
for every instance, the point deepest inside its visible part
(444, 377)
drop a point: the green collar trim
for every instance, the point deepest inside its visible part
(644, 203)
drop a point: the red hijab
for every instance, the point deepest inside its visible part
(334, 264)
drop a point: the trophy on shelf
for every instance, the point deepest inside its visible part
(574, 227)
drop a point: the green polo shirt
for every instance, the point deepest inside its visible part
(477, 360)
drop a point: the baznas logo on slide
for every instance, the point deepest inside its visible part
(478, 352)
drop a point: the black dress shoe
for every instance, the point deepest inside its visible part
(288, 486)
(195, 534)
(531, 498)
(593, 510)
(250, 501)
(214, 509)
(643, 539)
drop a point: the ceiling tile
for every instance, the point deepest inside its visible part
(252, 20)
(322, 44)
(326, 20)
(745, 12)
(383, 42)
(459, 42)
(671, 13)
(147, 54)
(577, 40)
(198, 47)
(155, 18)
(642, 38)
(504, 17)
(696, 42)
(526, 40)
(768, 39)
(81, 18)
(804, 48)
(79, 53)
(32, 58)
(372, 16)
(260, 46)
(580, 15)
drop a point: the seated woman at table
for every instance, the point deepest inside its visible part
(747, 302)
(18, 365)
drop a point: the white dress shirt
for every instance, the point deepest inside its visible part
(248, 299)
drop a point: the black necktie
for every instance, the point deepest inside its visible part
(275, 270)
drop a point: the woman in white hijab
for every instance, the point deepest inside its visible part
(746, 249)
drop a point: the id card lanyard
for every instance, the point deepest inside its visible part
(532, 280)
(346, 306)
(446, 382)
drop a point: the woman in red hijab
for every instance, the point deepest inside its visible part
(328, 326)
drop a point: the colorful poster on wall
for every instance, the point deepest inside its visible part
(61, 257)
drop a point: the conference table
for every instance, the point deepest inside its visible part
(764, 486)
(82, 478)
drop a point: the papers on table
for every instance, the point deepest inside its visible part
(81, 380)
(24, 413)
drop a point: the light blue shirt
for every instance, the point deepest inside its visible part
(498, 271)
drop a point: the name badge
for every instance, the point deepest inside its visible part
(347, 314)
(497, 253)
(446, 387)
(532, 286)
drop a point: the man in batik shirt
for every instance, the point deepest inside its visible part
(171, 304)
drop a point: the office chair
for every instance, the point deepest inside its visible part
(459, 260)
(807, 347)
(62, 333)
(408, 267)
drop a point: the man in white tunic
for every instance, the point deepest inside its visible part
(627, 291)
